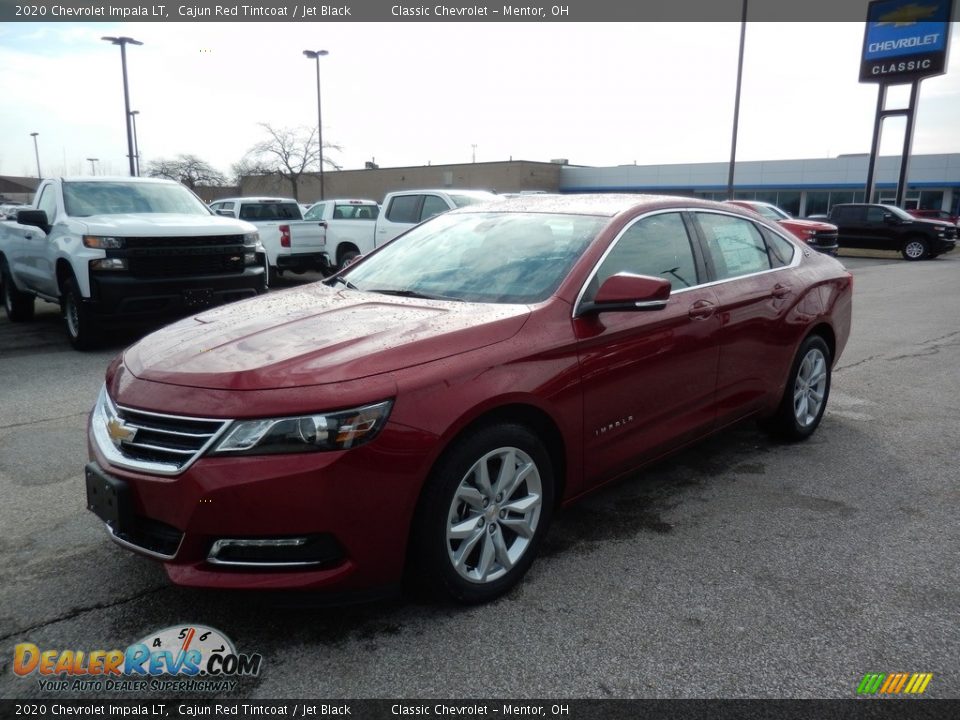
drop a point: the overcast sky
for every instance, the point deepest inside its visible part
(411, 94)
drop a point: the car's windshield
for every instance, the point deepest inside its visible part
(480, 257)
(902, 214)
(460, 200)
(82, 199)
(770, 212)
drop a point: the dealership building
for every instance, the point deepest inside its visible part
(801, 187)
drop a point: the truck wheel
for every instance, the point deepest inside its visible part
(346, 256)
(19, 305)
(82, 328)
(915, 249)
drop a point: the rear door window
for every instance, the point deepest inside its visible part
(404, 209)
(735, 245)
(432, 205)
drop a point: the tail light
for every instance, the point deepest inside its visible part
(285, 236)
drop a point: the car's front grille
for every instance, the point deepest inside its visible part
(156, 265)
(149, 441)
(161, 243)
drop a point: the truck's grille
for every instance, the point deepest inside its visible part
(170, 257)
(161, 265)
(153, 442)
(162, 243)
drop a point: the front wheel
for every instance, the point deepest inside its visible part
(806, 393)
(18, 305)
(82, 328)
(915, 249)
(484, 512)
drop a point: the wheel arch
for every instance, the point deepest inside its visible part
(64, 271)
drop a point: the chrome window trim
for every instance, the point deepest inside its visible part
(113, 455)
(142, 550)
(798, 251)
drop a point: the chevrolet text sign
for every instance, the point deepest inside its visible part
(905, 40)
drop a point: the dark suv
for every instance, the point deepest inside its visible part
(886, 227)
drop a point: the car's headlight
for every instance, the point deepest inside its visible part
(305, 433)
(104, 243)
(251, 239)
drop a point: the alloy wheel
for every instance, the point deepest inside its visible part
(810, 387)
(494, 515)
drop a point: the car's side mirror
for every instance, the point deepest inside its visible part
(36, 218)
(225, 213)
(628, 292)
(890, 218)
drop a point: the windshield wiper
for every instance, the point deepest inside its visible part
(339, 279)
(412, 294)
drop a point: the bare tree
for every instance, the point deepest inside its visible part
(288, 153)
(187, 169)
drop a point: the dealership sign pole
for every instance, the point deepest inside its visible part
(904, 42)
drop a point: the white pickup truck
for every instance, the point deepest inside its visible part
(291, 243)
(121, 250)
(404, 209)
(351, 227)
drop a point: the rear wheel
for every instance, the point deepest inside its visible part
(18, 305)
(806, 393)
(483, 514)
(915, 249)
(346, 255)
(82, 327)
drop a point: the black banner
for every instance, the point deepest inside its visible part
(854, 709)
(415, 11)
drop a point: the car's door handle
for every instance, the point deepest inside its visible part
(780, 290)
(702, 309)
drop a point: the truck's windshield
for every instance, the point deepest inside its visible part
(82, 199)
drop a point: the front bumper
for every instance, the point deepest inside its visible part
(360, 501)
(115, 295)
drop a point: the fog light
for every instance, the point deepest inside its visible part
(276, 552)
(109, 264)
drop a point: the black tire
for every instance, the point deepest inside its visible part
(915, 248)
(346, 255)
(83, 330)
(793, 420)
(497, 524)
(18, 305)
(272, 275)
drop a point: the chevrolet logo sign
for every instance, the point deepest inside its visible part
(119, 432)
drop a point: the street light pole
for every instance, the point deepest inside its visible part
(93, 168)
(136, 145)
(123, 42)
(316, 55)
(36, 151)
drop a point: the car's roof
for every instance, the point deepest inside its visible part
(355, 201)
(255, 198)
(442, 191)
(604, 204)
(118, 178)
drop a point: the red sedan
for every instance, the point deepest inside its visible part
(422, 414)
(821, 236)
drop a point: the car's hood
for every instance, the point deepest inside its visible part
(808, 224)
(163, 225)
(315, 335)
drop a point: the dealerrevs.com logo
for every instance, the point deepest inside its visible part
(182, 658)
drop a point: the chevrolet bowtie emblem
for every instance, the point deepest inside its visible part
(119, 432)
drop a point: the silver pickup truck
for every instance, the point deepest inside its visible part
(291, 243)
(111, 250)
